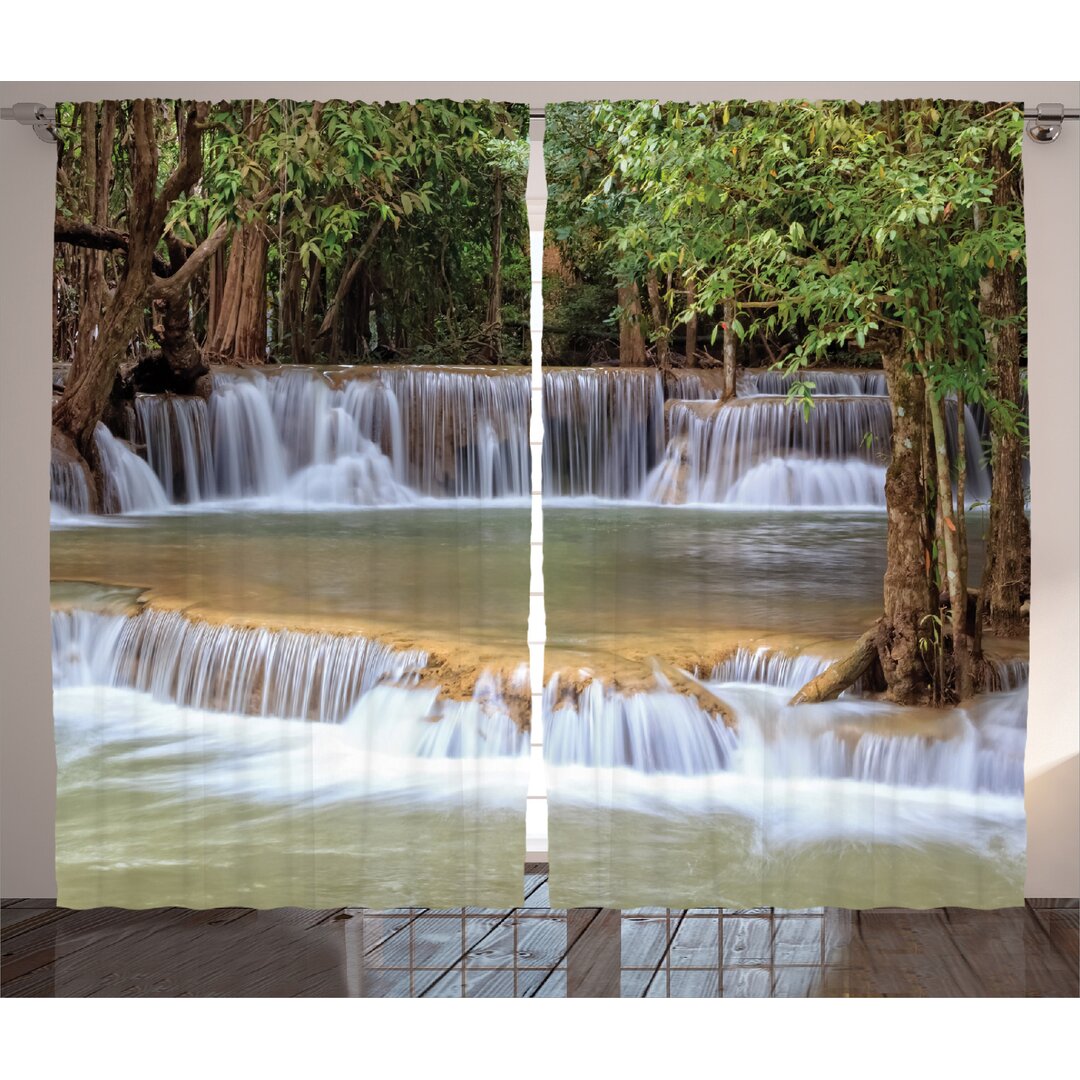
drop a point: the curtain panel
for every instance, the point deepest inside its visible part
(290, 483)
(786, 535)
(785, 504)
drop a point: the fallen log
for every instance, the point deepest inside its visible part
(684, 682)
(838, 676)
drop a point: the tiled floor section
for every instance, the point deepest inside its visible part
(534, 951)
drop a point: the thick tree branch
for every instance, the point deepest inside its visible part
(99, 238)
(189, 169)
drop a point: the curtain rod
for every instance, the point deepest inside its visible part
(1043, 122)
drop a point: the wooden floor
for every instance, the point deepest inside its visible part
(534, 951)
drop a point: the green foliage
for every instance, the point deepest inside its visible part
(849, 226)
(318, 178)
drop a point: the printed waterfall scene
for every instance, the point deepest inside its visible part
(785, 516)
(290, 497)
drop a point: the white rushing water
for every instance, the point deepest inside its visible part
(286, 674)
(130, 484)
(603, 431)
(283, 673)
(299, 438)
(976, 749)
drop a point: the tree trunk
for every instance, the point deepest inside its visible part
(494, 349)
(97, 152)
(730, 339)
(660, 330)
(906, 592)
(239, 333)
(1007, 576)
(631, 339)
(691, 323)
(90, 381)
(313, 294)
(291, 329)
(955, 585)
(215, 292)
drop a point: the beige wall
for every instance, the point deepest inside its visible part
(1052, 197)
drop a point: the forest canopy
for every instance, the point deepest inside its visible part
(341, 231)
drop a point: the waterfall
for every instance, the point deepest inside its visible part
(130, 484)
(976, 449)
(289, 674)
(363, 478)
(714, 452)
(415, 723)
(248, 455)
(798, 482)
(176, 434)
(300, 437)
(360, 437)
(694, 385)
(603, 431)
(662, 732)
(468, 431)
(768, 667)
(1007, 674)
(68, 487)
(975, 748)
(364, 686)
(822, 383)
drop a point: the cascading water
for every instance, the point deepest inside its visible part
(363, 437)
(176, 433)
(821, 383)
(768, 667)
(258, 671)
(603, 431)
(467, 432)
(344, 679)
(977, 748)
(69, 490)
(299, 437)
(130, 484)
(770, 452)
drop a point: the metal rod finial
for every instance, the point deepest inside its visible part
(33, 114)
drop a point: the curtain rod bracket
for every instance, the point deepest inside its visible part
(1044, 124)
(33, 114)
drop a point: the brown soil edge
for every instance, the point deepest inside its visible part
(625, 664)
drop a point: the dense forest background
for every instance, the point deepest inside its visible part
(800, 234)
(254, 232)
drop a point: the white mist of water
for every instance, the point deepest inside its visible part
(712, 451)
(129, 739)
